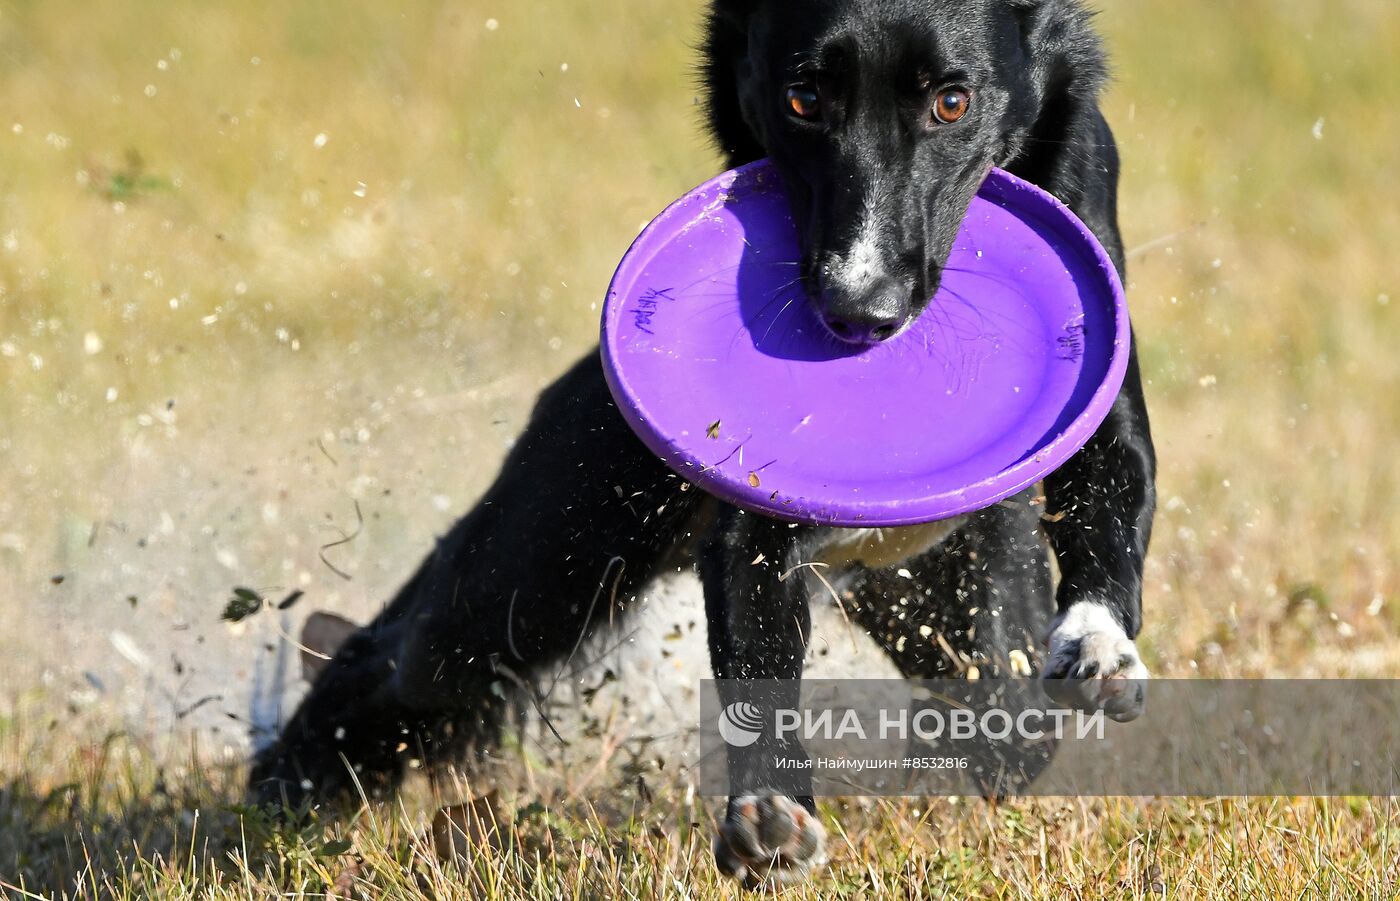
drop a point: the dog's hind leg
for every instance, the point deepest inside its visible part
(580, 517)
(977, 606)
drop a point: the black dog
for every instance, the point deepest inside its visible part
(883, 118)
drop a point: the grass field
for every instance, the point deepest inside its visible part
(230, 230)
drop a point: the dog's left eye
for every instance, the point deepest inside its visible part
(804, 102)
(951, 104)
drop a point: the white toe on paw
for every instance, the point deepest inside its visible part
(769, 840)
(1093, 664)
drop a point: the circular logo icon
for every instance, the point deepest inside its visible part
(740, 724)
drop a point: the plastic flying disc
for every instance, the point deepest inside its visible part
(717, 359)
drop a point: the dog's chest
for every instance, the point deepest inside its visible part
(881, 548)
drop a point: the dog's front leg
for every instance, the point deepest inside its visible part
(1099, 516)
(756, 602)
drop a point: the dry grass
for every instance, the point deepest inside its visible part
(194, 287)
(1267, 325)
(120, 827)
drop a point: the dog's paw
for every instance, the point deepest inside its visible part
(1094, 665)
(769, 840)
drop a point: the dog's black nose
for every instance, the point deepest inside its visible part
(869, 319)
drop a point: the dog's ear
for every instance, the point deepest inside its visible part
(1026, 10)
(736, 13)
(724, 68)
(1058, 107)
(321, 637)
(1066, 54)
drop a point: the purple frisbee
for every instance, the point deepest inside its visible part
(717, 360)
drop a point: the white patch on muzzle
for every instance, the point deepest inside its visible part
(854, 271)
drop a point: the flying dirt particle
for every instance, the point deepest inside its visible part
(126, 646)
(244, 603)
(1020, 663)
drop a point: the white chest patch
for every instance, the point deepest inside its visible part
(881, 548)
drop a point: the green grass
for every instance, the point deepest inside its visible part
(194, 286)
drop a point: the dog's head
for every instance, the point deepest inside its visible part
(883, 117)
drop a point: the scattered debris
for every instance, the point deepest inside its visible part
(127, 647)
(244, 603)
(287, 602)
(345, 538)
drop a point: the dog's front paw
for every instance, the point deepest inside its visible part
(769, 840)
(1094, 665)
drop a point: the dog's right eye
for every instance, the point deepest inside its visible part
(951, 104)
(804, 102)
